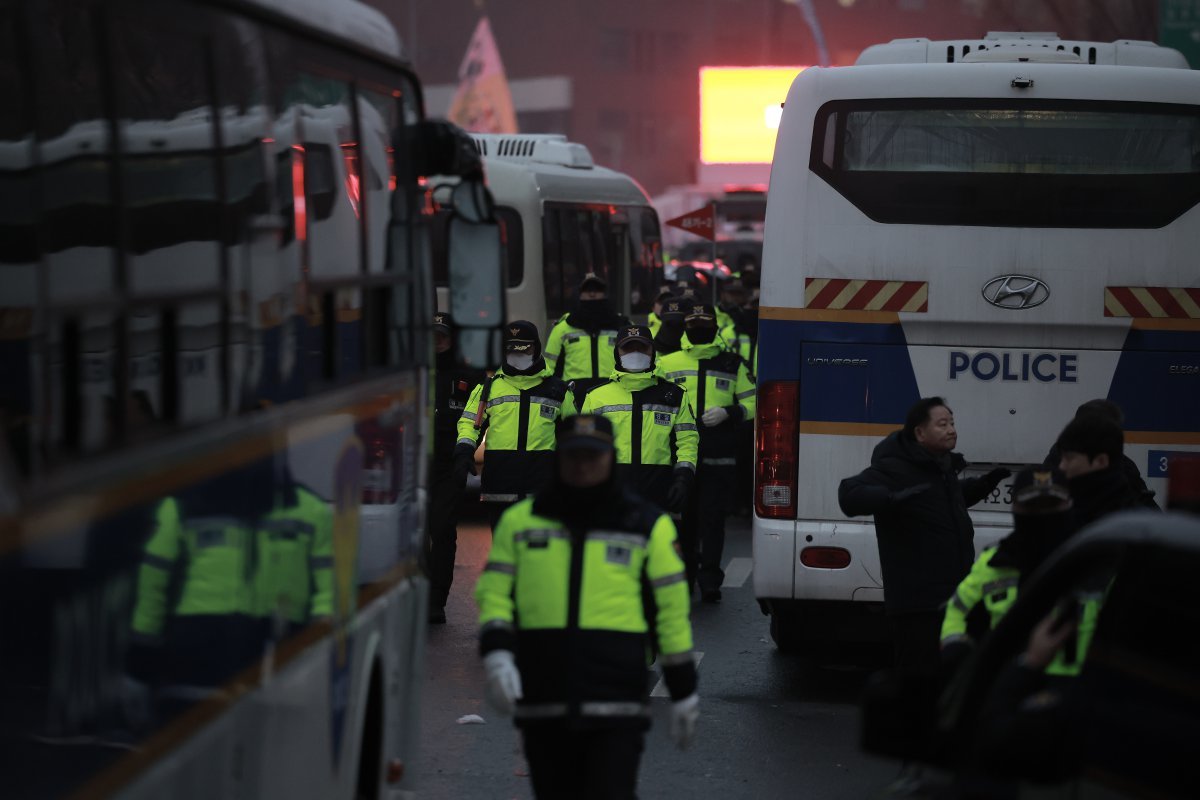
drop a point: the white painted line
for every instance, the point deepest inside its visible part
(737, 572)
(660, 688)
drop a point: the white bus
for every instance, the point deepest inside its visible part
(1011, 223)
(563, 216)
(215, 301)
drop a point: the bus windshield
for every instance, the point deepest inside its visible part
(1033, 163)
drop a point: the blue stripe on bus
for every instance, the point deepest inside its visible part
(1157, 381)
(854, 372)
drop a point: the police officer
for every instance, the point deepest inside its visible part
(654, 319)
(517, 408)
(453, 387)
(669, 338)
(565, 627)
(656, 436)
(230, 564)
(721, 394)
(1042, 521)
(579, 348)
(735, 331)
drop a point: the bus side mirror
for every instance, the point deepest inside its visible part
(476, 289)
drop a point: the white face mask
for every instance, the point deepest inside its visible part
(635, 362)
(519, 360)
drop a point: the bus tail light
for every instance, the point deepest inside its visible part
(776, 449)
(825, 557)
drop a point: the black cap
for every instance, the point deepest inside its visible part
(522, 337)
(635, 333)
(664, 293)
(1040, 490)
(701, 313)
(441, 322)
(673, 309)
(585, 431)
(593, 282)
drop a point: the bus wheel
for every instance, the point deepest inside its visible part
(787, 630)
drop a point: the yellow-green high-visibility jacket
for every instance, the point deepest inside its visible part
(518, 414)
(570, 602)
(576, 354)
(995, 586)
(713, 377)
(739, 342)
(210, 587)
(655, 432)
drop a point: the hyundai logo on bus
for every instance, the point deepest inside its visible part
(1015, 292)
(1041, 367)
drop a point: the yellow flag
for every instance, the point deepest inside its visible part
(483, 103)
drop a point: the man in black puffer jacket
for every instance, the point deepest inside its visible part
(926, 539)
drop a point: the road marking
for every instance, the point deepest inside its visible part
(737, 572)
(660, 688)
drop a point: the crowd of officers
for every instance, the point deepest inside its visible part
(610, 466)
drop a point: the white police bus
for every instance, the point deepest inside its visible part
(1011, 223)
(563, 216)
(215, 298)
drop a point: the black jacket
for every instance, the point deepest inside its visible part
(1107, 491)
(926, 543)
(452, 387)
(1133, 476)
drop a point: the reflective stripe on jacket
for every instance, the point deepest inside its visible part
(519, 417)
(576, 354)
(714, 377)
(653, 426)
(995, 587)
(218, 566)
(571, 603)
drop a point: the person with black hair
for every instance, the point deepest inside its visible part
(1091, 450)
(517, 409)
(453, 386)
(579, 348)
(926, 539)
(1109, 410)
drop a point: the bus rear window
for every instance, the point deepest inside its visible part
(1029, 164)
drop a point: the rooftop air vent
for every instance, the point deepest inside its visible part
(539, 148)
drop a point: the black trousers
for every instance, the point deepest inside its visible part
(702, 532)
(445, 502)
(917, 638)
(594, 765)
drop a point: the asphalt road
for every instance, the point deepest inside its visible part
(771, 725)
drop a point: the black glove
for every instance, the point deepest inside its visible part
(912, 491)
(464, 462)
(681, 486)
(993, 478)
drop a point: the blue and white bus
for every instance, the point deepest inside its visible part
(1011, 223)
(215, 301)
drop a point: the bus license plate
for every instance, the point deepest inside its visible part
(1000, 498)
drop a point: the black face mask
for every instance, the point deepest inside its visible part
(669, 337)
(702, 335)
(444, 360)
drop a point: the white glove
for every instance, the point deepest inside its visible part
(684, 714)
(503, 681)
(714, 416)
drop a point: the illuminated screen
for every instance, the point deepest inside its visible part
(739, 112)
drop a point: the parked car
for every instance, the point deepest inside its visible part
(1125, 726)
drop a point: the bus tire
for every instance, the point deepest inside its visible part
(787, 629)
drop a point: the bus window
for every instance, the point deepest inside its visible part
(1034, 163)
